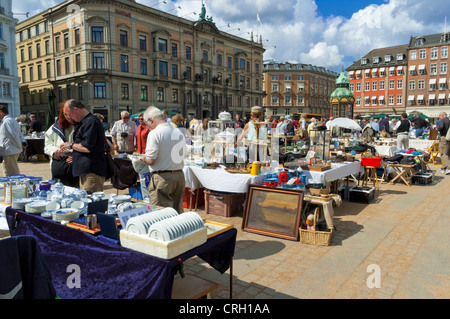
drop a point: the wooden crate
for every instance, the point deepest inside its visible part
(224, 204)
(193, 200)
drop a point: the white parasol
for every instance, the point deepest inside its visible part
(344, 122)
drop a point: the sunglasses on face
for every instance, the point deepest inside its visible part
(126, 117)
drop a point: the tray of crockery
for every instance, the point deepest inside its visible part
(36, 206)
(164, 233)
(66, 215)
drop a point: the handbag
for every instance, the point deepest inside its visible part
(112, 167)
(61, 169)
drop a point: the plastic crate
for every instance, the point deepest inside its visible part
(195, 199)
(371, 161)
(224, 204)
(361, 194)
(423, 177)
(133, 192)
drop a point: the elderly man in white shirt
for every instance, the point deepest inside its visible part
(123, 134)
(11, 142)
(165, 153)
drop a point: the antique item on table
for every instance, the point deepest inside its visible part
(66, 215)
(273, 212)
(19, 203)
(215, 228)
(164, 237)
(36, 206)
(91, 221)
(237, 170)
(316, 167)
(210, 165)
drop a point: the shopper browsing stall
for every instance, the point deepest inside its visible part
(402, 128)
(444, 145)
(165, 153)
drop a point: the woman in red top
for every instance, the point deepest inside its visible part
(141, 136)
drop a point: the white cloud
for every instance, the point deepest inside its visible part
(323, 54)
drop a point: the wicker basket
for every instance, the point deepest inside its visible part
(313, 237)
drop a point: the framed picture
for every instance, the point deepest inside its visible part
(273, 211)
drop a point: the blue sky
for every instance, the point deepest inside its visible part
(327, 33)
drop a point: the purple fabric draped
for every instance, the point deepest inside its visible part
(107, 270)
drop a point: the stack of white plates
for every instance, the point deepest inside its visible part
(66, 214)
(121, 199)
(175, 227)
(36, 206)
(19, 203)
(141, 224)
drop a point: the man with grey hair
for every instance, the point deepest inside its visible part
(164, 154)
(444, 145)
(123, 134)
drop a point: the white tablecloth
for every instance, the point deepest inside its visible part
(421, 144)
(385, 150)
(3, 223)
(335, 173)
(220, 180)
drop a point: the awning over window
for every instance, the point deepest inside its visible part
(441, 96)
(432, 81)
(443, 80)
(381, 69)
(432, 97)
(399, 68)
(422, 67)
(358, 71)
(381, 97)
(374, 70)
(392, 68)
(367, 71)
(411, 98)
(419, 97)
(412, 67)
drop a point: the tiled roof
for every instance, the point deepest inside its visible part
(381, 53)
(277, 66)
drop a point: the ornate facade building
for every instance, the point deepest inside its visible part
(9, 81)
(117, 55)
(297, 88)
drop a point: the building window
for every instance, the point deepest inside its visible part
(219, 59)
(391, 99)
(47, 47)
(422, 54)
(374, 85)
(287, 100)
(174, 49)
(399, 99)
(257, 68)
(367, 86)
(57, 44)
(143, 42)
(162, 45)
(163, 68)
(433, 69)
(66, 40)
(421, 84)
(188, 73)
(174, 71)
(358, 87)
(274, 100)
(124, 63)
(412, 85)
(160, 94)
(46, 26)
(144, 93)
(205, 56)
(39, 70)
(97, 34)
(123, 38)
(444, 52)
(174, 95)
(76, 34)
(399, 84)
(31, 74)
(443, 68)
(242, 64)
(77, 62)
(434, 54)
(391, 84)
(80, 91)
(99, 90)
(413, 55)
(188, 52)
(124, 91)
(98, 60)
(143, 66)
(48, 69)
(229, 62)
(30, 53)
(358, 101)
(38, 50)
(67, 65)
(58, 67)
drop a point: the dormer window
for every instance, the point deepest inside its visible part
(400, 57)
(376, 59)
(420, 41)
(387, 58)
(364, 61)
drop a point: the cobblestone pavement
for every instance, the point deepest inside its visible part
(403, 235)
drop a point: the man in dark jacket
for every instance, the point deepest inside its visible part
(419, 124)
(384, 124)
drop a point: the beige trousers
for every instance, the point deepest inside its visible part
(10, 165)
(166, 190)
(444, 149)
(92, 183)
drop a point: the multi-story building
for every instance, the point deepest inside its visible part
(428, 76)
(297, 88)
(9, 81)
(379, 81)
(117, 55)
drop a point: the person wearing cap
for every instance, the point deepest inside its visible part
(35, 124)
(290, 128)
(123, 134)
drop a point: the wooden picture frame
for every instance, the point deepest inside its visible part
(273, 212)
